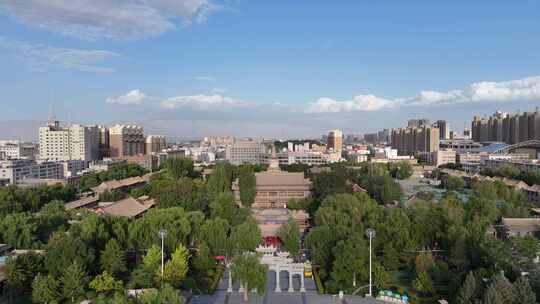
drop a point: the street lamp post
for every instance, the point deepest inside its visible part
(370, 232)
(162, 234)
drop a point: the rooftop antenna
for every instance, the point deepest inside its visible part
(51, 118)
(51, 105)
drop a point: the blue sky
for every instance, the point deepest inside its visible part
(265, 68)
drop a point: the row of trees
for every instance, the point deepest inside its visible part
(512, 203)
(509, 171)
(14, 199)
(375, 178)
(425, 250)
(89, 256)
(496, 290)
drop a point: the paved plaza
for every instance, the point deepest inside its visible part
(309, 297)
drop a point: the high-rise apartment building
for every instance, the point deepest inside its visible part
(104, 142)
(507, 128)
(75, 142)
(383, 136)
(412, 140)
(416, 123)
(371, 138)
(84, 142)
(126, 140)
(155, 143)
(444, 129)
(335, 140)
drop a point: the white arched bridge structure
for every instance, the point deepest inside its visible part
(277, 262)
(528, 144)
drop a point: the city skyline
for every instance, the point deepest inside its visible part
(197, 68)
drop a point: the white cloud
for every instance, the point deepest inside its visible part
(134, 97)
(110, 19)
(526, 89)
(194, 102)
(220, 90)
(201, 102)
(357, 104)
(205, 78)
(40, 55)
(485, 91)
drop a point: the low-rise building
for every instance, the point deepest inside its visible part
(123, 184)
(127, 207)
(245, 151)
(17, 170)
(4, 182)
(440, 157)
(357, 157)
(383, 160)
(149, 162)
(312, 158)
(73, 167)
(533, 193)
(14, 149)
(83, 202)
(105, 164)
(520, 227)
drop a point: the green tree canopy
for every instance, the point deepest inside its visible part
(106, 283)
(190, 194)
(45, 289)
(289, 234)
(219, 180)
(523, 292)
(400, 170)
(144, 231)
(328, 183)
(178, 167)
(19, 230)
(147, 273)
(215, 234)
(176, 268)
(454, 183)
(63, 248)
(225, 207)
(113, 258)
(166, 295)
(248, 270)
(246, 236)
(423, 283)
(73, 281)
(21, 270)
(247, 183)
(469, 291)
